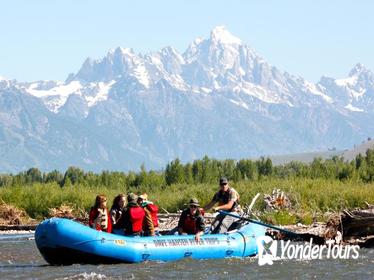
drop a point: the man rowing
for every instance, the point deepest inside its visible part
(228, 200)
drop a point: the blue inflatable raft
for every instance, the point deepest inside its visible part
(63, 241)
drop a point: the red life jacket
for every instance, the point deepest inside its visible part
(153, 209)
(136, 218)
(189, 225)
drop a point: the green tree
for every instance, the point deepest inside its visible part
(53, 176)
(174, 172)
(188, 173)
(75, 176)
(34, 175)
(265, 166)
(246, 170)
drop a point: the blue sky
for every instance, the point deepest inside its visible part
(48, 39)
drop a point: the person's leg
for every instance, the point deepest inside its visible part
(216, 224)
(236, 225)
(173, 231)
(226, 223)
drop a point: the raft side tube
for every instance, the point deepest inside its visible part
(63, 241)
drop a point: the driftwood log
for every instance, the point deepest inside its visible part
(358, 226)
(358, 223)
(304, 233)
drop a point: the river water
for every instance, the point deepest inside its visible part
(20, 259)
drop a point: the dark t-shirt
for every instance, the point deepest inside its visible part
(225, 197)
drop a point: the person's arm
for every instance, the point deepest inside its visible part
(181, 222)
(198, 235)
(211, 204)
(92, 217)
(200, 224)
(234, 197)
(227, 207)
(148, 223)
(113, 216)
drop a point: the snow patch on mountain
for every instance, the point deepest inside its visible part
(205, 90)
(101, 93)
(54, 98)
(240, 104)
(353, 109)
(259, 92)
(351, 81)
(141, 74)
(61, 90)
(314, 90)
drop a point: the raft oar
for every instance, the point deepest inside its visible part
(258, 223)
(299, 236)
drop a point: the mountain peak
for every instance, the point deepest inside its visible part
(358, 69)
(120, 51)
(169, 50)
(221, 35)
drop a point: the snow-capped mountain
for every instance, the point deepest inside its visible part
(218, 98)
(355, 93)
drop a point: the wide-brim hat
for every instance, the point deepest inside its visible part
(194, 202)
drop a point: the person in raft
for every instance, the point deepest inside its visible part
(191, 220)
(131, 220)
(150, 222)
(117, 209)
(228, 200)
(99, 216)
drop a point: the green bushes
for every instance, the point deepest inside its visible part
(37, 199)
(315, 188)
(310, 198)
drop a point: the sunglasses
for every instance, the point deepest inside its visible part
(223, 184)
(193, 206)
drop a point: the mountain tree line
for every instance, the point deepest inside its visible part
(205, 170)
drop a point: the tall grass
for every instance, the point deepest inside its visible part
(310, 198)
